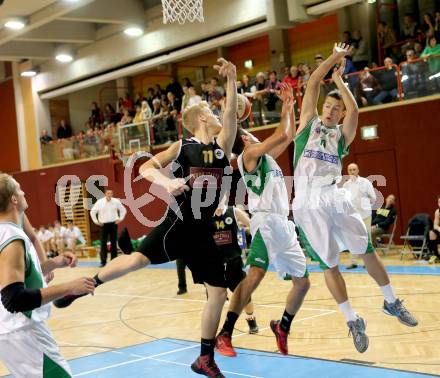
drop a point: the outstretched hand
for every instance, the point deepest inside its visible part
(341, 50)
(226, 69)
(285, 93)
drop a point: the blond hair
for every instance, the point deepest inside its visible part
(191, 113)
(8, 187)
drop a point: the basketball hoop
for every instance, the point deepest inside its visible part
(182, 11)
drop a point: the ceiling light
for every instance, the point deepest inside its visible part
(29, 73)
(64, 58)
(15, 24)
(133, 31)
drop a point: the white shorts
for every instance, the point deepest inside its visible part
(328, 224)
(32, 352)
(274, 242)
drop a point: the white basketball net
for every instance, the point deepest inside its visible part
(182, 10)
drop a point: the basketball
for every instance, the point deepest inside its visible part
(244, 108)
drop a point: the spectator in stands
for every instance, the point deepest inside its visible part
(194, 98)
(386, 36)
(73, 236)
(59, 232)
(428, 27)
(145, 110)
(437, 25)
(384, 218)
(247, 88)
(91, 144)
(174, 106)
(346, 37)
(64, 130)
(413, 75)
(272, 86)
(126, 117)
(260, 93)
(410, 29)
(396, 55)
(185, 98)
(306, 71)
(187, 82)
(433, 48)
(369, 86)
(360, 51)
(139, 99)
(216, 86)
(387, 79)
(150, 97)
(138, 115)
(96, 115)
(157, 122)
(109, 115)
(293, 78)
(159, 92)
(434, 235)
(45, 237)
(119, 105)
(45, 138)
(128, 102)
(214, 99)
(205, 91)
(418, 49)
(318, 60)
(175, 88)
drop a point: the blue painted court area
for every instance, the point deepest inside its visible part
(169, 358)
(424, 270)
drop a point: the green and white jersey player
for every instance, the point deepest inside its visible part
(27, 346)
(273, 235)
(326, 219)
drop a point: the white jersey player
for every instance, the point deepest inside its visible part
(273, 235)
(326, 219)
(27, 347)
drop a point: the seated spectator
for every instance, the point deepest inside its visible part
(293, 78)
(194, 98)
(64, 130)
(214, 99)
(369, 86)
(45, 236)
(91, 144)
(434, 235)
(387, 79)
(73, 236)
(383, 218)
(386, 37)
(59, 237)
(45, 138)
(396, 55)
(128, 103)
(360, 51)
(413, 76)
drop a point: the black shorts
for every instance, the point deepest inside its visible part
(194, 243)
(234, 272)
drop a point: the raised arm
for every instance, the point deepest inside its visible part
(151, 170)
(351, 109)
(227, 135)
(310, 100)
(29, 230)
(281, 137)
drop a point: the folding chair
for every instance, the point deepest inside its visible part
(385, 247)
(416, 237)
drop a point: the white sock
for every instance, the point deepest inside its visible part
(388, 293)
(348, 312)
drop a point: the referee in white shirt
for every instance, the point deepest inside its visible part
(107, 212)
(362, 198)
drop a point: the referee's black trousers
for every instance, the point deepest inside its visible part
(108, 230)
